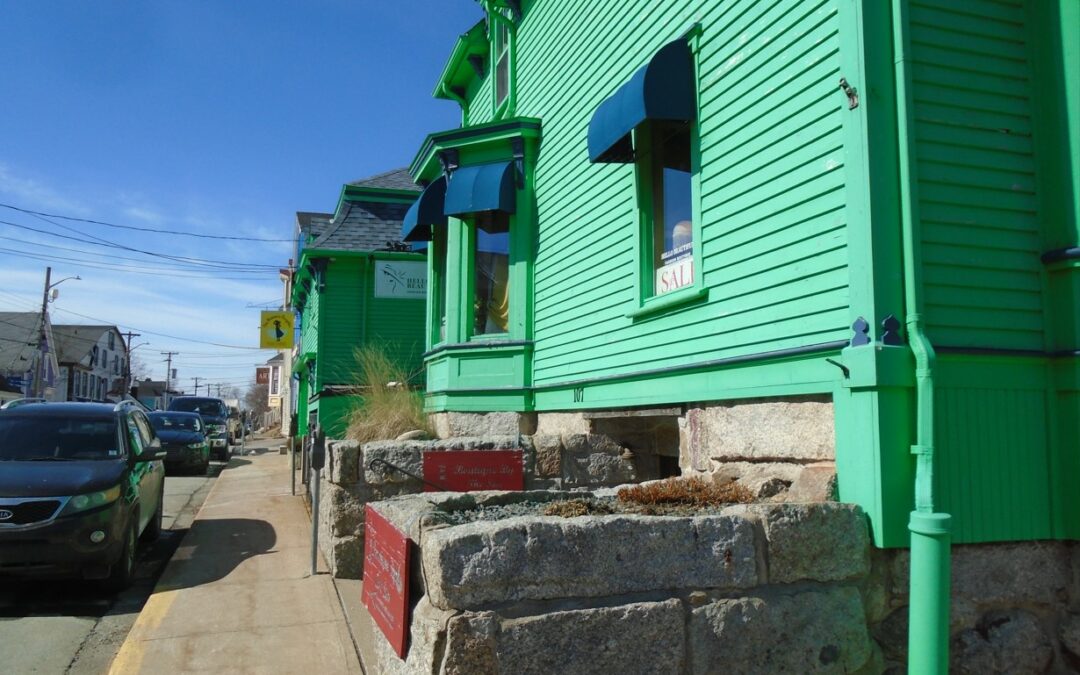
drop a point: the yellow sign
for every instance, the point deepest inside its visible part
(276, 330)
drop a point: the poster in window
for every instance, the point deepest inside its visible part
(676, 270)
(396, 279)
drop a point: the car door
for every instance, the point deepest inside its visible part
(145, 476)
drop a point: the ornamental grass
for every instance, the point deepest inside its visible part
(388, 407)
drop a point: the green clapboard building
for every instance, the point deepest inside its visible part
(355, 285)
(871, 203)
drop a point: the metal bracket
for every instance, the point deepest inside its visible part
(517, 147)
(851, 92)
(862, 332)
(890, 331)
(449, 160)
(395, 467)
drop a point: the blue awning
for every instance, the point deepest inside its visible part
(481, 187)
(426, 211)
(662, 89)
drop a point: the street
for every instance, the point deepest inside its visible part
(70, 626)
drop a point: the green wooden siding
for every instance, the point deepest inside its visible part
(976, 166)
(772, 176)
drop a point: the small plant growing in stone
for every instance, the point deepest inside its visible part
(692, 492)
(388, 407)
(571, 508)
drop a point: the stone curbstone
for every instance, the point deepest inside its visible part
(820, 631)
(820, 542)
(538, 558)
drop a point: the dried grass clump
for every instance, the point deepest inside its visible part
(576, 507)
(388, 408)
(694, 491)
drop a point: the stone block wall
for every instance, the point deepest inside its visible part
(349, 482)
(637, 594)
(776, 587)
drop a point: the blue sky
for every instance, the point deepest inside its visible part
(220, 117)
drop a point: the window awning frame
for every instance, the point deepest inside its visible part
(426, 212)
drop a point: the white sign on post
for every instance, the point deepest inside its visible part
(394, 279)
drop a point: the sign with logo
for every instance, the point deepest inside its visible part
(262, 376)
(386, 578)
(396, 279)
(6, 515)
(276, 330)
(465, 470)
(677, 270)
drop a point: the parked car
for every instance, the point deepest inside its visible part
(79, 484)
(184, 440)
(15, 403)
(215, 415)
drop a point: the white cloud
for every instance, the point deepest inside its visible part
(33, 194)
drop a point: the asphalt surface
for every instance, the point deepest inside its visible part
(70, 626)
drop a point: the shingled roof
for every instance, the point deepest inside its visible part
(363, 226)
(396, 179)
(74, 342)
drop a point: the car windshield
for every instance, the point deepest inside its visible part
(176, 423)
(41, 437)
(209, 407)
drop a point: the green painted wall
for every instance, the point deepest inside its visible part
(346, 315)
(799, 206)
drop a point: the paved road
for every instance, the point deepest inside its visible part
(69, 627)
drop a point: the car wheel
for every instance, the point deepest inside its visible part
(123, 570)
(153, 528)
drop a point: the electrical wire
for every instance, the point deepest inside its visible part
(150, 332)
(140, 229)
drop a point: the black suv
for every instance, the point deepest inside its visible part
(79, 483)
(215, 415)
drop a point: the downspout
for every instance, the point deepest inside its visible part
(449, 93)
(928, 611)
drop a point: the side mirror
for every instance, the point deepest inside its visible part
(152, 452)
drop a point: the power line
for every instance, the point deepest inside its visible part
(173, 337)
(141, 229)
(206, 262)
(109, 256)
(132, 269)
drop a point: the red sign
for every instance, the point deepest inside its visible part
(262, 376)
(386, 578)
(465, 470)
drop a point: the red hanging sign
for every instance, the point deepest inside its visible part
(386, 578)
(466, 470)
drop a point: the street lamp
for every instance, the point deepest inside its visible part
(127, 372)
(39, 388)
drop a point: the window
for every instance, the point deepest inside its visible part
(502, 56)
(671, 221)
(439, 245)
(275, 376)
(112, 341)
(491, 273)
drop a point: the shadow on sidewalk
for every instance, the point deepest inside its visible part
(214, 548)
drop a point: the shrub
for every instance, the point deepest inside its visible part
(388, 407)
(686, 492)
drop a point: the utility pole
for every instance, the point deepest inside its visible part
(129, 337)
(39, 372)
(197, 386)
(218, 389)
(168, 373)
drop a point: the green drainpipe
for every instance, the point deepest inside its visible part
(928, 612)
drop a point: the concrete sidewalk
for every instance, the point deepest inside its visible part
(238, 596)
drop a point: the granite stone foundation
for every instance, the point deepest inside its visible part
(349, 480)
(771, 587)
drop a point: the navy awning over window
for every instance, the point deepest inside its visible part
(426, 211)
(482, 187)
(662, 89)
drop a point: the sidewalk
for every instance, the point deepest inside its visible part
(238, 595)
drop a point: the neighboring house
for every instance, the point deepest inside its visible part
(287, 393)
(275, 387)
(93, 362)
(21, 350)
(764, 214)
(355, 285)
(151, 393)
